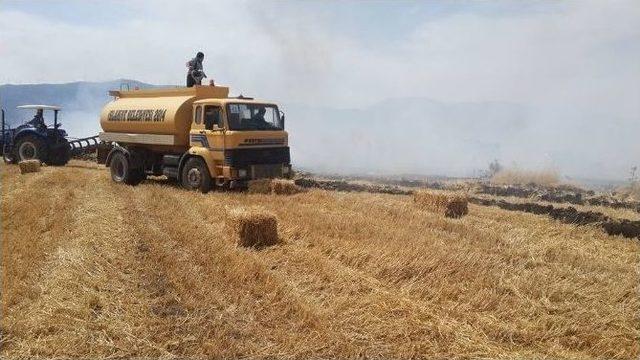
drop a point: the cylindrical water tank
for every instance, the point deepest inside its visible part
(156, 111)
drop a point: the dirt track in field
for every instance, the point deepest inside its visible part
(94, 269)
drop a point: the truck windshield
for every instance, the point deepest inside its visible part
(254, 117)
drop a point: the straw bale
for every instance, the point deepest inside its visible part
(262, 186)
(284, 187)
(29, 166)
(252, 227)
(273, 186)
(450, 204)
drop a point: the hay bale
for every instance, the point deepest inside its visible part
(262, 186)
(275, 186)
(29, 166)
(284, 187)
(252, 227)
(452, 205)
(457, 207)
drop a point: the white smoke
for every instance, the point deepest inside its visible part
(573, 68)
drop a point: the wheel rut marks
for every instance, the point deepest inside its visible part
(351, 296)
(334, 278)
(165, 315)
(343, 258)
(33, 227)
(216, 283)
(88, 300)
(345, 278)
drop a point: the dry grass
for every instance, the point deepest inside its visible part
(91, 269)
(273, 186)
(519, 176)
(453, 205)
(630, 192)
(29, 166)
(252, 227)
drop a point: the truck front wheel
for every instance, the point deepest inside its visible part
(121, 171)
(195, 175)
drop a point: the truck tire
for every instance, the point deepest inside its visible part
(195, 175)
(31, 147)
(121, 171)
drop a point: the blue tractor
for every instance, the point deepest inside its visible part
(35, 139)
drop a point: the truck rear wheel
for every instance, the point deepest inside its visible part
(121, 171)
(195, 175)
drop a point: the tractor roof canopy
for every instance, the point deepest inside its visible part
(37, 107)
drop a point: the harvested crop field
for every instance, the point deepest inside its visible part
(93, 269)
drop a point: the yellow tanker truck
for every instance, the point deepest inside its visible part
(199, 136)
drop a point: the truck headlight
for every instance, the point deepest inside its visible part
(242, 173)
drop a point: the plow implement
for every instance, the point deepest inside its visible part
(83, 146)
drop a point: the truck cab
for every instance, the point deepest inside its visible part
(240, 139)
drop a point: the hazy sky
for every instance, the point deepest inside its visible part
(576, 63)
(351, 53)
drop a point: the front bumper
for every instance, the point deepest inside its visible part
(257, 172)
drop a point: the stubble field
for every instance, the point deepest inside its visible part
(95, 269)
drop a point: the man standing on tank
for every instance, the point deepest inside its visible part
(195, 73)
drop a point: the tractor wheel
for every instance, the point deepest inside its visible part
(60, 155)
(31, 147)
(8, 157)
(121, 171)
(195, 175)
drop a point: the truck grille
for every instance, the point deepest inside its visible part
(241, 158)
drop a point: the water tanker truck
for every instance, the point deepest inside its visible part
(198, 136)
